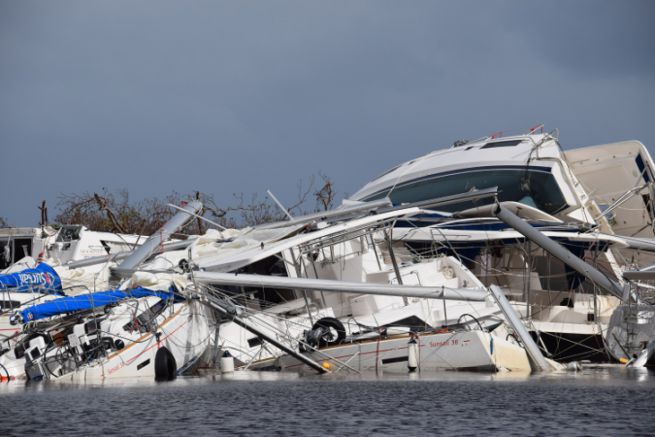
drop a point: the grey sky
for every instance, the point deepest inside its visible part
(225, 97)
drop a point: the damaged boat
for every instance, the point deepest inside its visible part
(565, 195)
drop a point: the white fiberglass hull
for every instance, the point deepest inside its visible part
(630, 331)
(467, 350)
(184, 334)
(246, 347)
(11, 368)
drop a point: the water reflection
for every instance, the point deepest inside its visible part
(601, 400)
(594, 374)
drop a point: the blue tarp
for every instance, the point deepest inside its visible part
(41, 279)
(89, 301)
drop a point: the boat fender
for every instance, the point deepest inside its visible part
(165, 366)
(19, 351)
(412, 353)
(227, 362)
(329, 331)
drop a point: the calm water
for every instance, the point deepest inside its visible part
(592, 402)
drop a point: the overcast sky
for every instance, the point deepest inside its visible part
(225, 97)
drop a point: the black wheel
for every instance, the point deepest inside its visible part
(165, 365)
(332, 331)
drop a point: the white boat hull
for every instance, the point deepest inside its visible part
(184, 334)
(468, 350)
(181, 337)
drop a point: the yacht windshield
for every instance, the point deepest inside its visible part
(530, 186)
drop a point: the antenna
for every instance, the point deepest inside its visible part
(277, 202)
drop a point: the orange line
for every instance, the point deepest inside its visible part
(134, 342)
(128, 362)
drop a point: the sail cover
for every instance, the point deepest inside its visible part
(89, 301)
(41, 279)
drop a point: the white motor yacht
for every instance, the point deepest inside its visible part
(596, 192)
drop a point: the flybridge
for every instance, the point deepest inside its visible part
(590, 184)
(523, 168)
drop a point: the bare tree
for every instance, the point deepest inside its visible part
(254, 211)
(102, 205)
(257, 211)
(114, 212)
(325, 196)
(44, 214)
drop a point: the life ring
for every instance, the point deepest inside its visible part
(332, 331)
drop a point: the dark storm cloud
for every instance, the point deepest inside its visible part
(591, 38)
(224, 97)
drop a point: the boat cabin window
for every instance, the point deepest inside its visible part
(530, 186)
(501, 144)
(609, 215)
(69, 233)
(9, 304)
(12, 250)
